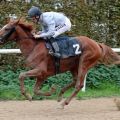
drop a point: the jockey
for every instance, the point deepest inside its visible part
(53, 24)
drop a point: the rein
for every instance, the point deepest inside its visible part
(26, 38)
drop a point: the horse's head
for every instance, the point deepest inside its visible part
(10, 31)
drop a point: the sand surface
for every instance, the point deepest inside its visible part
(92, 109)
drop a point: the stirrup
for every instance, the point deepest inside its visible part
(50, 52)
(57, 55)
(54, 54)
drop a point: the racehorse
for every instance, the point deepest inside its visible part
(42, 63)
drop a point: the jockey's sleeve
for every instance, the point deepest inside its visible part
(48, 30)
(46, 34)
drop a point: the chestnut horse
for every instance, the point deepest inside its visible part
(42, 63)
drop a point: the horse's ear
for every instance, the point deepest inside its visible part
(17, 22)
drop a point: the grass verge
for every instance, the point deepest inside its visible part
(104, 90)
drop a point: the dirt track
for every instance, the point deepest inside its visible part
(93, 109)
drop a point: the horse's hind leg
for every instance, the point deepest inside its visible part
(84, 65)
(77, 89)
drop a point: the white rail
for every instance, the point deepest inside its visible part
(116, 49)
(8, 51)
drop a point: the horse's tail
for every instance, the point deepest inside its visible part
(108, 55)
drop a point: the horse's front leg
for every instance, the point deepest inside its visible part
(31, 73)
(37, 86)
(72, 84)
(63, 90)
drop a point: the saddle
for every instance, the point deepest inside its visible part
(68, 46)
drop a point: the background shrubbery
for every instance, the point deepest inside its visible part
(98, 78)
(100, 21)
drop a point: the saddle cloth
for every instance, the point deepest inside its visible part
(68, 46)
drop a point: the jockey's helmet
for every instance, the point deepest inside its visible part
(34, 11)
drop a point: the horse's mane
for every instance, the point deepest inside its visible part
(25, 25)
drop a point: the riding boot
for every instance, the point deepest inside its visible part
(55, 48)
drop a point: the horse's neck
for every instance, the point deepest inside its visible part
(26, 43)
(26, 46)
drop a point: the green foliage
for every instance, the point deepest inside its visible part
(106, 89)
(60, 80)
(101, 74)
(98, 78)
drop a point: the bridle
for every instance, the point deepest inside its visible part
(4, 37)
(7, 35)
